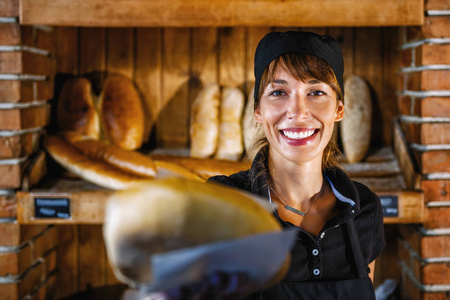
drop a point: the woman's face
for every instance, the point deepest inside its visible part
(298, 117)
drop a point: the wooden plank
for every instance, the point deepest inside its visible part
(66, 50)
(92, 259)
(180, 13)
(232, 56)
(388, 93)
(204, 60)
(86, 207)
(253, 36)
(67, 261)
(92, 50)
(173, 122)
(147, 73)
(410, 206)
(120, 51)
(368, 65)
(406, 161)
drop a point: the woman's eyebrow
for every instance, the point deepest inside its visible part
(279, 81)
(314, 81)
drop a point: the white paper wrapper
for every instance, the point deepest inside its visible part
(259, 256)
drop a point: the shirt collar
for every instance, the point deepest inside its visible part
(340, 183)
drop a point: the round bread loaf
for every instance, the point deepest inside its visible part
(121, 113)
(175, 213)
(76, 109)
(356, 125)
(230, 146)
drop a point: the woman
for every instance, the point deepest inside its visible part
(298, 99)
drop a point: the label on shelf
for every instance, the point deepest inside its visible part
(56, 208)
(390, 205)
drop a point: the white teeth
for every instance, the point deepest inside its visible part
(298, 135)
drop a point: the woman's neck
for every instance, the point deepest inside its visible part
(296, 182)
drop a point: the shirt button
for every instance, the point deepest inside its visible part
(353, 211)
(322, 235)
(316, 272)
(315, 252)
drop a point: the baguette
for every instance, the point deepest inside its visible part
(204, 128)
(131, 162)
(76, 109)
(97, 172)
(122, 113)
(203, 167)
(230, 145)
(175, 213)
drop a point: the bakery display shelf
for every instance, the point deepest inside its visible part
(196, 13)
(74, 201)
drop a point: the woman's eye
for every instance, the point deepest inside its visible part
(317, 93)
(277, 93)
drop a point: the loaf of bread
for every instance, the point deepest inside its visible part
(204, 127)
(357, 122)
(91, 170)
(132, 162)
(230, 146)
(121, 113)
(175, 213)
(76, 108)
(202, 167)
(249, 129)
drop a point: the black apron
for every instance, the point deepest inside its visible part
(360, 288)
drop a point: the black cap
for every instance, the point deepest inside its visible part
(275, 44)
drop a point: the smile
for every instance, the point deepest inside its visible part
(295, 135)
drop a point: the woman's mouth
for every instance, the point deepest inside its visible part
(299, 137)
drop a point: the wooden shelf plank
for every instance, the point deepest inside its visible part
(182, 13)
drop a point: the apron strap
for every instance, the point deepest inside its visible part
(356, 249)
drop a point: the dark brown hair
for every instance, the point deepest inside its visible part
(303, 67)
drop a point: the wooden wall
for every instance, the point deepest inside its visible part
(169, 67)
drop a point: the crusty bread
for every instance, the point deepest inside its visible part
(128, 161)
(230, 146)
(357, 122)
(121, 113)
(76, 109)
(94, 171)
(204, 128)
(249, 129)
(203, 167)
(176, 213)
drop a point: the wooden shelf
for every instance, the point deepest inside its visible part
(381, 173)
(197, 13)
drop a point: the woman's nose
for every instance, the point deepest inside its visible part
(298, 108)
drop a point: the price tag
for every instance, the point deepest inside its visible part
(56, 208)
(390, 206)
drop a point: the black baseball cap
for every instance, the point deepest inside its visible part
(275, 44)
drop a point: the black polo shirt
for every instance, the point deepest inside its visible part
(329, 255)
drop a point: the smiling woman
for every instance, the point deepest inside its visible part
(298, 100)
